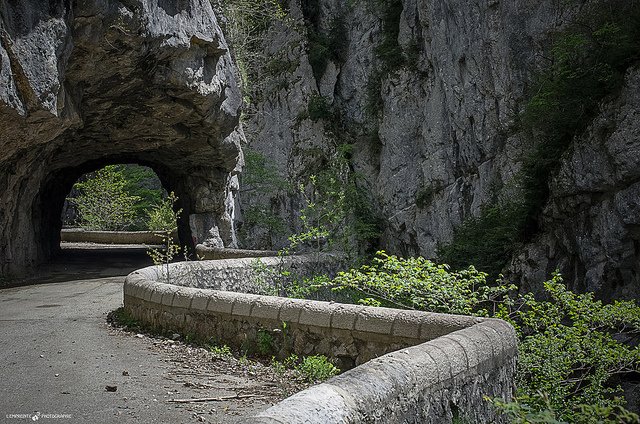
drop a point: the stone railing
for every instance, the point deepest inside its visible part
(76, 235)
(208, 253)
(406, 366)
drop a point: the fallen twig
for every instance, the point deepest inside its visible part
(212, 399)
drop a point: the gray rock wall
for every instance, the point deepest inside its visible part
(591, 225)
(446, 134)
(103, 82)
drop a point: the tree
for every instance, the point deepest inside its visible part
(103, 202)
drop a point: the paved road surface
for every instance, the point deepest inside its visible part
(58, 354)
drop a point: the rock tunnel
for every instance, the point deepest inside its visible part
(91, 83)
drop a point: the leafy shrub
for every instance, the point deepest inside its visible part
(142, 182)
(103, 202)
(318, 108)
(265, 342)
(487, 241)
(572, 346)
(418, 283)
(162, 217)
(316, 368)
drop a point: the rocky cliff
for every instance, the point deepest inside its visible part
(89, 83)
(428, 94)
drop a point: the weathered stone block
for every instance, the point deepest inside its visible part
(182, 299)
(407, 324)
(200, 301)
(267, 307)
(316, 314)
(242, 305)
(156, 295)
(344, 316)
(221, 302)
(168, 294)
(376, 320)
(446, 351)
(291, 310)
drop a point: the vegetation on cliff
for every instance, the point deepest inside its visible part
(587, 63)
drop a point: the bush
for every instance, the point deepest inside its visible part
(316, 368)
(318, 108)
(103, 202)
(161, 217)
(418, 283)
(572, 346)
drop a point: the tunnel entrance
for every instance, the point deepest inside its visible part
(111, 218)
(117, 86)
(122, 197)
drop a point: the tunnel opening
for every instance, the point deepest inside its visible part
(122, 197)
(164, 96)
(58, 187)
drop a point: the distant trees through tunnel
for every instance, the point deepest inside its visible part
(123, 197)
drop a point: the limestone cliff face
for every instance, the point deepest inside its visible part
(99, 82)
(443, 132)
(591, 224)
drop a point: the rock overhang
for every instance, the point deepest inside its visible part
(104, 82)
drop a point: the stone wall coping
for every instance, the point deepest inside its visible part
(418, 325)
(354, 394)
(209, 252)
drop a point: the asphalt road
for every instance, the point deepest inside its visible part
(58, 354)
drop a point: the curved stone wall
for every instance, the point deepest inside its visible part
(209, 253)
(410, 366)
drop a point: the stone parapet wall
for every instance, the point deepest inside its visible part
(246, 275)
(209, 253)
(76, 235)
(406, 366)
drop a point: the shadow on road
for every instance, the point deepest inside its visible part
(82, 261)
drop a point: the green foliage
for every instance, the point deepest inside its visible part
(572, 346)
(418, 283)
(143, 183)
(247, 23)
(162, 217)
(487, 240)
(103, 202)
(221, 352)
(316, 368)
(313, 369)
(319, 108)
(389, 51)
(425, 194)
(335, 212)
(323, 48)
(165, 218)
(390, 54)
(121, 318)
(265, 343)
(261, 176)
